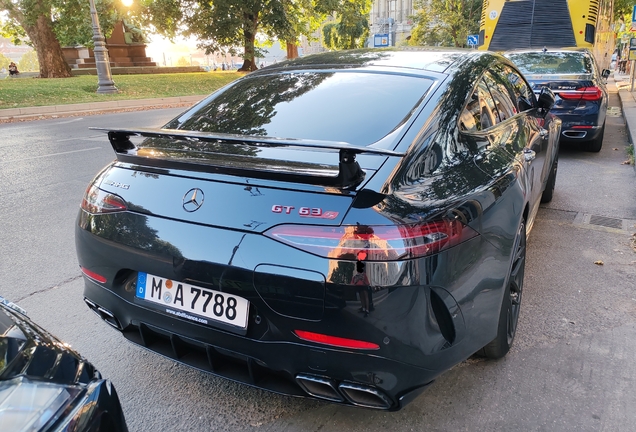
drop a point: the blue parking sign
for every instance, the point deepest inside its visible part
(381, 40)
(473, 40)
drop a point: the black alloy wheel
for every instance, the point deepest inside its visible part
(511, 306)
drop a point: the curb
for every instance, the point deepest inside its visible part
(34, 112)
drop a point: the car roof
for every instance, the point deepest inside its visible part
(413, 58)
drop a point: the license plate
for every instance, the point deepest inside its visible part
(191, 302)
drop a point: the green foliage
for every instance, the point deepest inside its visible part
(71, 20)
(622, 8)
(4, 61)
(183, 61)
(445, 22)
(11, 29)
(351, 28)
(29, 62)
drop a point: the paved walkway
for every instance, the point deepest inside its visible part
(628, 103)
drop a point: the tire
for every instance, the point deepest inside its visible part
(546, 197)
(511, 305)
(595, 145)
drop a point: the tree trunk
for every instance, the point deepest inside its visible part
(292, 50)
(249, 32)
(47, 47)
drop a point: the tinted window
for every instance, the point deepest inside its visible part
(480, 112)
(501, 95)
(520, 91)
(358, 108)
(552, 62)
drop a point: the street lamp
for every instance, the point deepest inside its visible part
(105, 82)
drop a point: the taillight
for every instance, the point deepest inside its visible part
(98, 201)
(374, 243)
(583, 93)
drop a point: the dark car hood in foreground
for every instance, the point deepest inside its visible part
(65, 391)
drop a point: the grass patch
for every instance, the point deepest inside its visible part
(630, 153)
(28, 92)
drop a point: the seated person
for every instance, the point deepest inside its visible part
(13, 69)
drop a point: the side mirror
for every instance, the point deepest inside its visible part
(545, 101)
(606, 73)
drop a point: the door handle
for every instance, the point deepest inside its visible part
(529, 155)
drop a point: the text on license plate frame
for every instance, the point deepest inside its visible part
(193, 302)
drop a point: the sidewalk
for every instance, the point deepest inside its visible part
(628, 103)
(29, 113)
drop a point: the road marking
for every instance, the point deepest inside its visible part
(79, 139)
(70, 121)
(49, 155)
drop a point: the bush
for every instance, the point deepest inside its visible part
(29, 62)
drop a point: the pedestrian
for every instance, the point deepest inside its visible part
(13, 69)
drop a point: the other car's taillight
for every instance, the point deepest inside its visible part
(97, 201)
(583, 93)
(374, 243)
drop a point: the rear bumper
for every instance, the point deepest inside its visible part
(294, 369)
(571, 134)
(419, 327)
(582, 127)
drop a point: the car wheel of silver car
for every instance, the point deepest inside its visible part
(596, 145)
(509, 315)
(546, 197)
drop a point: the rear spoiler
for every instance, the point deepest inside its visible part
(349, 172)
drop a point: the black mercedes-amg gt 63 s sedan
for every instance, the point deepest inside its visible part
(345, 226)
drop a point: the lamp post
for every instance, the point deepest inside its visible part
(105, 82)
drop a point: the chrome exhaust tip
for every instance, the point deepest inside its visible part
(104, 314)
(319, 387)
(365, 396)
(575, 134)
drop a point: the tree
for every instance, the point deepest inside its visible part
(183, 61)
(445, 22)
(4, 61)
(622, 8)
(351, 28)
(224, 25)
(29, 62)
(46, 25)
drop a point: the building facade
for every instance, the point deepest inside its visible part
(392, 17)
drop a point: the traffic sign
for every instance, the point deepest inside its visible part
(381, 40)
(473, 40)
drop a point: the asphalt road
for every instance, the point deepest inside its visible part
(572, 366)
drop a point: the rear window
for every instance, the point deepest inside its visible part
(552, 63)
(355, 107)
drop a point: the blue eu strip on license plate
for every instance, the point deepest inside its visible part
(192, 302)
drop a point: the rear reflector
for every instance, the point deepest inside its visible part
(97, 277)
(581, 127)
(335, 341)
(374, 243)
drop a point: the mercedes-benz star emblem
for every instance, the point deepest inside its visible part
(193, 200)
